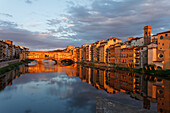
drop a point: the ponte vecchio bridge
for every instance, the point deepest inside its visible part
(55, 56)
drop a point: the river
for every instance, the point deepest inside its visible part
(48, 88)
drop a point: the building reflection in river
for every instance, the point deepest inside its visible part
(7, 78)
(141, 87)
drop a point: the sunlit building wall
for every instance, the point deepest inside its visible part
(164, 45)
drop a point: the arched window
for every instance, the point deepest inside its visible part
(161, 56)
(145, 33)
(161, 37)
(166, 34)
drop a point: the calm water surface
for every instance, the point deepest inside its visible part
(47, 88)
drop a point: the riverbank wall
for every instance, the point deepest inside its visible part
(12, 65)
(7, 63)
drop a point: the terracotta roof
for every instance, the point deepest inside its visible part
(124, 48)
(102, 46)
(111, 46)
(146, 27)
(137, 38)
(140, 47)
(154, 35)
(131, 47)
(164, 32)
(113, 38)
(103, 42)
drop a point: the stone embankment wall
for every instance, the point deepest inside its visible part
(7, 63)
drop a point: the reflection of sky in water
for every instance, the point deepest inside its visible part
(53, 93)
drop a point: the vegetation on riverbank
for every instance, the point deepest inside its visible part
(152, 72)
(161, 73)
(13, 66)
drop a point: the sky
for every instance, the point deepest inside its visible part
(54, 24)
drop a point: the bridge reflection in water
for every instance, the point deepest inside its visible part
(141, 87)
(70, 70)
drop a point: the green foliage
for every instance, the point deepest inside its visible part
(10, 67)
(161, 73)
(13, 66)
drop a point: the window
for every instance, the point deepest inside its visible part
(46, 55)
(162, 44)
(161, 37)
(166, 34)
(161, 56)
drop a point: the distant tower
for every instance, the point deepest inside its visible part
(147, 35)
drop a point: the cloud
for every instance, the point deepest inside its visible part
(53, 22)
(70, 25)
(34, 40)
(29, 1)
(93, 21)
(35, 24)
(64, 18)
(122, 19)
(49, 49)
(5, 14)
(7, 24)
(52, 30)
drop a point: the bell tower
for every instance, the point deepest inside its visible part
(147, 35)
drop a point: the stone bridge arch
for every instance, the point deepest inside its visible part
(56, 56)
